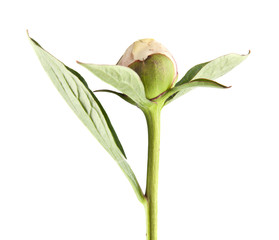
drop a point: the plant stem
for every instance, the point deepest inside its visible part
(153, 124)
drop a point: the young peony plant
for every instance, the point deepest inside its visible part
(146, 77)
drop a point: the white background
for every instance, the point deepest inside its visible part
(219, 166)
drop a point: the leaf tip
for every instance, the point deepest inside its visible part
(82, 63)
(249, 51)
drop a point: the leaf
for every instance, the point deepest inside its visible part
(213, 69)
(86, 106)
(123, 96)
(122, 78)
(180, 90)
(191, 74)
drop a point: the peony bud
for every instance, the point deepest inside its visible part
(153, 63)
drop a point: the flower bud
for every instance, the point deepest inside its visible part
(153, 63)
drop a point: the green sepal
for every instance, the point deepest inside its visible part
(157, 73)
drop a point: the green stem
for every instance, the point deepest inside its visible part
(153, 123)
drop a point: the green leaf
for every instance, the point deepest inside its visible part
(191, 74)
(123, 96)
(86, 106)
(122, 78)
(180, 90)
(213, 69)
